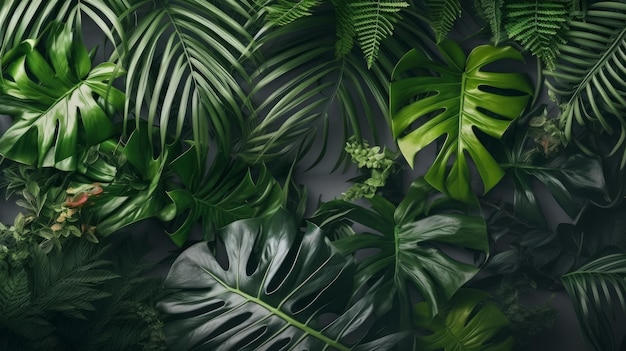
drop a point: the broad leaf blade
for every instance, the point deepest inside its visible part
(455, 100)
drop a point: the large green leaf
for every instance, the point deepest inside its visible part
(589, 79)
(57, 100)
(458, 99)
(596, 290)
(406, 238)
(266, 289)
(470, 323)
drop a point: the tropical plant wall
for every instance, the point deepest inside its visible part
(461, 122)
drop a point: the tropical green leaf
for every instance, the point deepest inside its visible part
(470, 322)
(57, 100)
(26, 19)
(286, 11)
(373, 21)
(443, 14)
(405, 238)
(597, 289)
(225, 192)
(184, 60)
(491, 10)
(458, 99)
(589, 81)
(268, 293)
(539, 26)
(310, 89)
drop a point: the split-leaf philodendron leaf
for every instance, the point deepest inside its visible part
(57, 100)
(265, 292)
(456, 98)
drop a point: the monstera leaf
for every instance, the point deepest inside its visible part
(57, 100)
(406, 239)
(470, 323)
(265, 290)
(458, 99)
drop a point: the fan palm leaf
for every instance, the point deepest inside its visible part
(589, 82)
(596, 289)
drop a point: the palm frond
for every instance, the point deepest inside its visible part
(539, 26)
(324, 91)
(443, 14)
(184, 65)
(286, 11)
(14, 29)
(596, 289)
(589, 80)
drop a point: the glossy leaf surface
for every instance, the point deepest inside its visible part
(456, 99)
(57, 100)
(266, 293)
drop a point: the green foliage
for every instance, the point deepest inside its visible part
(286, 11)
(491, 11)
(379, 163)
(588, 83)
(270, 292)
(572, 178)
(373, 22)
(539, 26)
(455, 99)
(596, 290)
(443, 14)
(407, 237)
(470, 322)
(57, 99)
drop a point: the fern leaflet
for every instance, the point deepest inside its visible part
(373, 21)
(287, 11)
(492, 12)
(344, 14)
(443, 13)
(539, 27)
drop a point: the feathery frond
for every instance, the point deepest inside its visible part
(373, 21)
(539, 26)
(286, 11)
(346, 33)
(596, 289)
(491, 10)
(443, 14)
(184, 64)
(589, 80)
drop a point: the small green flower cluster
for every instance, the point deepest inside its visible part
(379, 163)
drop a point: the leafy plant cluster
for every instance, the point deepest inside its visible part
(202, 115)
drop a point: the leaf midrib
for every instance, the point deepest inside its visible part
(277, 312)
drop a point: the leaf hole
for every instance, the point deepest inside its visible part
(500, 91)
(285, 268)
(201, 310)
(232, 323)
(249, 339)
(279, 345)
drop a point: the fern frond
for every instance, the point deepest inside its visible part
(287, 11)
(492, 12)
(373, 21)
(14, 294)
(344, 14)
(589, 80)
(443, 14)
(539, 26)
(596, 290)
